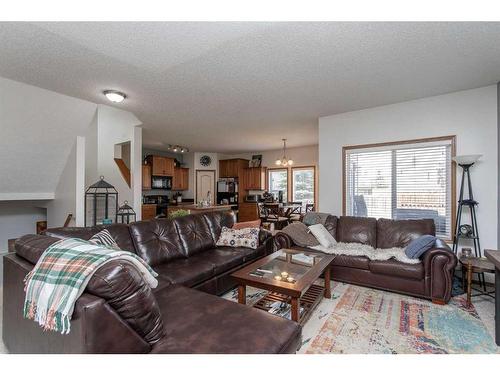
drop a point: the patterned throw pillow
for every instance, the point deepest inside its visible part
(104, 238)
(246, 237)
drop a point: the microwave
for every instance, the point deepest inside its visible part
(161, 182)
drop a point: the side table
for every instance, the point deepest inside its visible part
(494, 257)
(472, 265)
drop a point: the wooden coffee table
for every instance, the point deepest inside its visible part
(288, 276)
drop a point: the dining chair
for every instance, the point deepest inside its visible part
(295, 211)
(275, 215)
(309, 207)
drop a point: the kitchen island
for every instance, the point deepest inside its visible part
(195, 209)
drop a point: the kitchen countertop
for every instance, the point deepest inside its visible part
(218, 207)
(175, 204)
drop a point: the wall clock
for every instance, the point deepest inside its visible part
(205, 160)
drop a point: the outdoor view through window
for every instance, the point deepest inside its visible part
(278, 181)
(302, 184)
(402, 181)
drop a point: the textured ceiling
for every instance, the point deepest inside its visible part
(234, 87)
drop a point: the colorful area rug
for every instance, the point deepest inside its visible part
(364, 320)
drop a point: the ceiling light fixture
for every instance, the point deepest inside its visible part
(177, 148)
(114, 96)
(284, 161)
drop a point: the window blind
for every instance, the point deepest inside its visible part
(401, 181)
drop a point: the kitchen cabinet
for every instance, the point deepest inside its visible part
(161, 165)
(248, 211)
(254, 178)
(232, 167)
(148, 211)
(146, 177)
(180, 180)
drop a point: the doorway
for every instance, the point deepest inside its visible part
(205, 182)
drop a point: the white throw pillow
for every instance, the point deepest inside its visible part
(322, 235)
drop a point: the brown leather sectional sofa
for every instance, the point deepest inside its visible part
(431, 279)
(119, 313)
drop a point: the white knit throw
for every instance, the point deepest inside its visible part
(357, 249)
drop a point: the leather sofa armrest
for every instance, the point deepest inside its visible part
(31, 246)
(121, 285)
(95, 326)
(439, 264)
(282, 241)
(266, 240)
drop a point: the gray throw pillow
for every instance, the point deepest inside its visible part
(300, 234)
(419, 246)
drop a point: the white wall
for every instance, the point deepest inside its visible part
(18, 218)
(116, 126)
(471, 115)
(64, 202)
(37, 132)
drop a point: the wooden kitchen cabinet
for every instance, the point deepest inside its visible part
(180, 180)
(148, 211)
(146, 177)
(248, 211)
(255, 178)
(161, 165)
(232, 167)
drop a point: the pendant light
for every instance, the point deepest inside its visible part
(284, 161)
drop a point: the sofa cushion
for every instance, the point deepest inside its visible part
(331, 225)
(32, 246)
(216, 325)
(399, 233)
(218, 219)
(119, 232)
(357, 229)
(194, 233)
(72, 232)
(186, 271)
(351, 261)
(157, 241)
(394, 268)
(249, 253)
(223, 259)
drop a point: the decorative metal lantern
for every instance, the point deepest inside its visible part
(101, 203)
(126, 214)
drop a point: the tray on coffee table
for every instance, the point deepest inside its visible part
(288, 276)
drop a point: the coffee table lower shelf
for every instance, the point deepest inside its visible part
(308, 302)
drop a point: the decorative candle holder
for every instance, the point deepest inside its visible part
(290, 279)
(284, 275)
(277, 278)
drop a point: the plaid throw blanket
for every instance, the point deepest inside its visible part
(62, 274)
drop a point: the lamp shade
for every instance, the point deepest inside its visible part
(467, 159)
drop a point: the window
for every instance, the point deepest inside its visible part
(303, 185)
(401, 180)
(278, 181)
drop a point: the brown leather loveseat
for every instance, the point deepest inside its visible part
(432, 278)
(119, 313)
